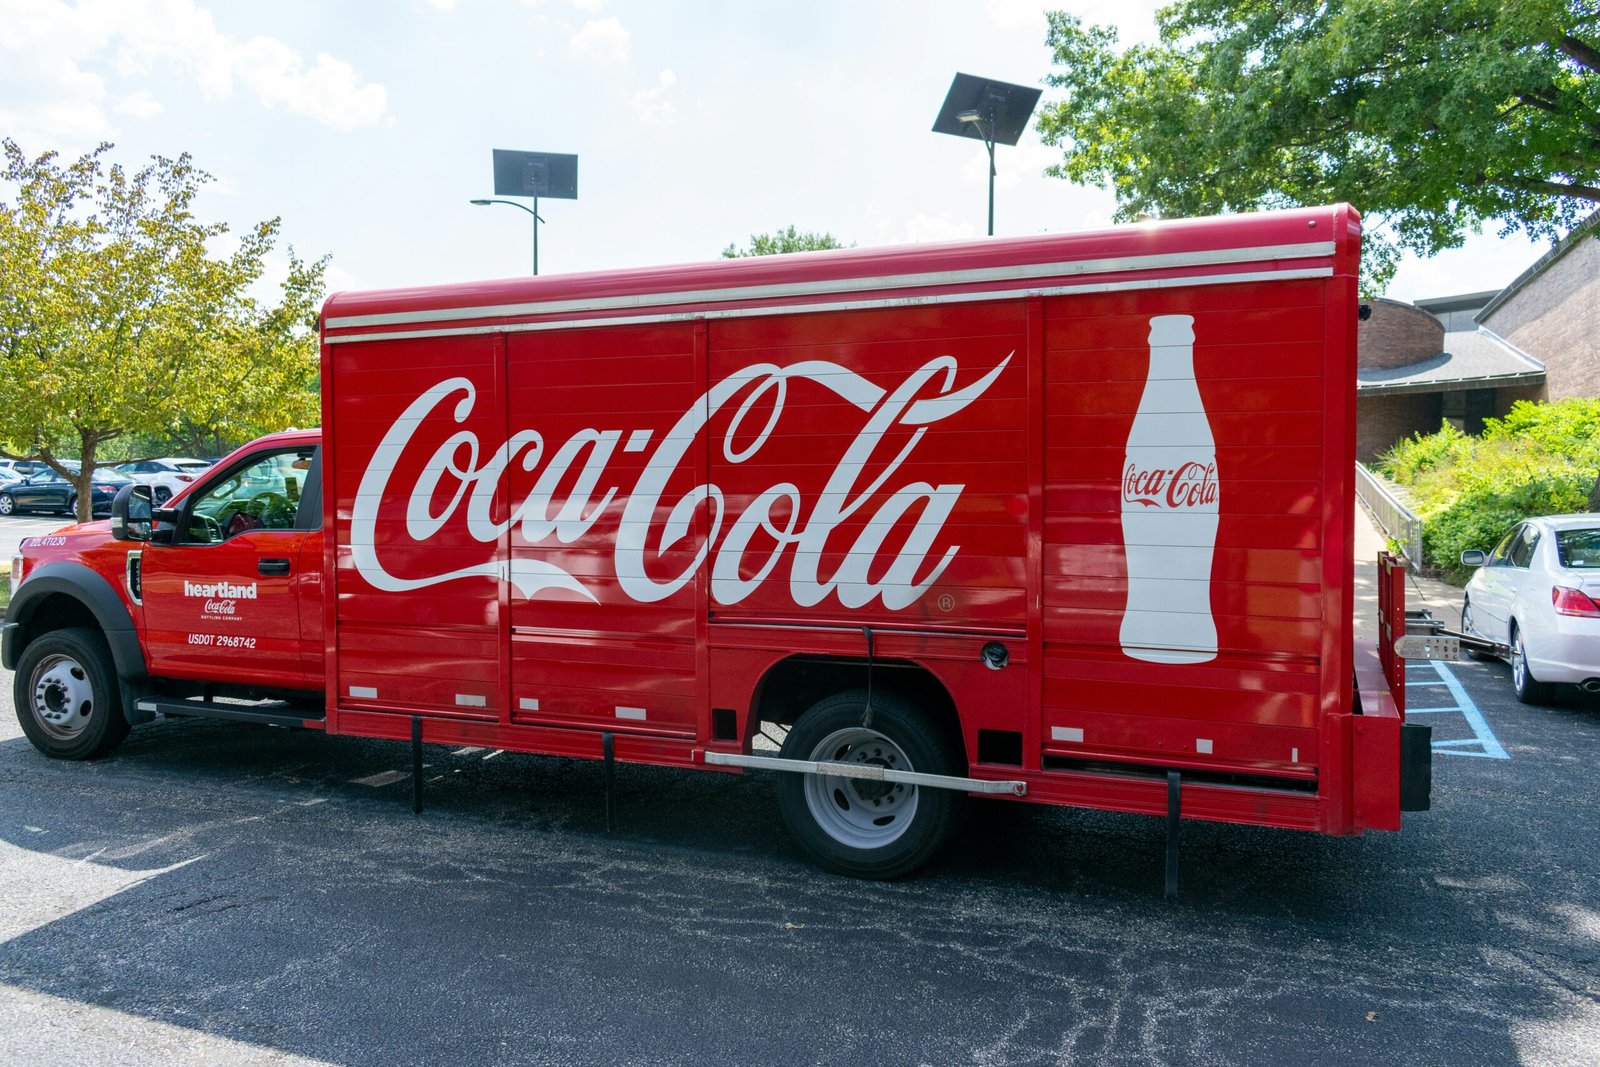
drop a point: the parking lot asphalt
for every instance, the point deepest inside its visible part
(224, 893)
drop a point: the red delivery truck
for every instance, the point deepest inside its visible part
(1062, 519)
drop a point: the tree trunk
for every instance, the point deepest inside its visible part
(84, 482)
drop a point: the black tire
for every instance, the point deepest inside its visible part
(72, 505)
(160, 495)
(859, 827)
(1466, 628)
(1529, 690)
(67, 697)
(8, 504)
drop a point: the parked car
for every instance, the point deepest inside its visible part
(50, 492)
(1538, 592)
(166, 476)
(21, 468)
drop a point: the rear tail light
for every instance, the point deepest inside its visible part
(184, 477)
(106, 488)
(1569, 601)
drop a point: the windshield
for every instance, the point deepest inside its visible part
(1579, 549)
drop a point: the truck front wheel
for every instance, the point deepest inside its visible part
(67, 697)
(863, 827)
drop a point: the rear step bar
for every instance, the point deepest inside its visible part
(1426, 638)
(276, 714)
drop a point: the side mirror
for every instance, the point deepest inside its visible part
(165, 529)
(1472, 557)
(130, 513)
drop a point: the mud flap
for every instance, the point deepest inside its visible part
(1416, 767)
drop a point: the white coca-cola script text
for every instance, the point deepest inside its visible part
(466, 477)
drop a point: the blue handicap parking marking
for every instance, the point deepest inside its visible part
(1433, 675)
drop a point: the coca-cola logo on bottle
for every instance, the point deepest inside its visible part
(458, 479)
(1188, 485)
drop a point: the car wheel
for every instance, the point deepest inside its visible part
(161, 494)
(8, 504)
(72, 505)
(1467, 628)
(1529, 690)
(858, 826)
(67, 698)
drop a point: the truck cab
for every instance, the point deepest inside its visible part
(216, 594)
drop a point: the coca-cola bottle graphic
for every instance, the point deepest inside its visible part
(1169, 507)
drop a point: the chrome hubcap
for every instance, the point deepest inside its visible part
(63, 697)
(858, 812)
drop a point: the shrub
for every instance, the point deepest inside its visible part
(1540, 459)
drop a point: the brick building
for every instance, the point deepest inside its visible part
(1466, 358)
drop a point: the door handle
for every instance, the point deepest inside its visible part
(269, 568)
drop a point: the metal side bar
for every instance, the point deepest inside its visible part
(857, 770)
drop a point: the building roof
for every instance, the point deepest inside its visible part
(1587, 228)
(1471, 359)
(1437, 305)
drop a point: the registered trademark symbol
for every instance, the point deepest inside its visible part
(947, 603)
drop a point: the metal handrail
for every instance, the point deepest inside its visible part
(1397, 522)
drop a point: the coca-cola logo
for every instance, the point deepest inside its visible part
(1188, 485)
(744, 549)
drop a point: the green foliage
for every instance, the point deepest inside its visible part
(119, 315)
(790, 240)
(1540, 459)
(1431, 116)
(1418, 455)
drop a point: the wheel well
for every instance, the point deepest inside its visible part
(55, 612)
(792, 685)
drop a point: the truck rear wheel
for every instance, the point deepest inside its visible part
(861, 827)
(67, 697)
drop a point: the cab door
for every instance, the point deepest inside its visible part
(222, 601)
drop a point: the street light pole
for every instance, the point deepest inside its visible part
(974, 117)
(534, 211)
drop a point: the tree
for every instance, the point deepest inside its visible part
(118, 316)
(790, 240)
(1431, 116)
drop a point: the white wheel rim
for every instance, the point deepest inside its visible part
(1519, 666)
(856, 812)
(6, 504)
(63, 697)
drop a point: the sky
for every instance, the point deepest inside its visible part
(368, 125)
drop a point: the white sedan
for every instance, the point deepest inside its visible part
(1539, 593)
(166, 477)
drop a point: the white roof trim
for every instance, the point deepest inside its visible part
(846, 305)
(977, 276)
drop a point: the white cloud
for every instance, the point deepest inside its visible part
(442, 5)
(605, 39)
(581, 5)
(1012, 164)
(1017, 15)
(330, 91)
(929, 229)
(651, 105)
(139, 105)
(60, 53)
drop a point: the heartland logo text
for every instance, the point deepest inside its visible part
(221, 590)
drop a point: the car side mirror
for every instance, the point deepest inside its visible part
(1473, 557)
(131, 511)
